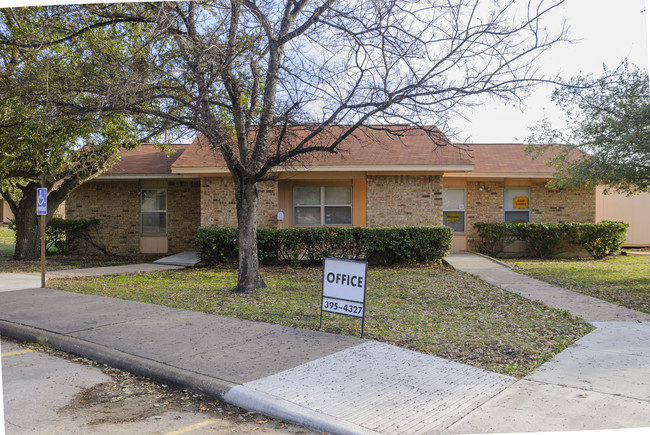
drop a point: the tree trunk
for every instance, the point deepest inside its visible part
(249, 266)
(28, 230)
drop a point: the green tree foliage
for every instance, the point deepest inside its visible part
(49, 126)
(609, 124)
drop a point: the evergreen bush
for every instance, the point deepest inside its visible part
(426, 244)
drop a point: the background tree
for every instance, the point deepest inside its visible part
(247, 74)
(609, 122)
(42, 130)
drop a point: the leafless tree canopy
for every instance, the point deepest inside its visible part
(234, 71)
(244, 72)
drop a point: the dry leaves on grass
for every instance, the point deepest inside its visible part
(433, 310)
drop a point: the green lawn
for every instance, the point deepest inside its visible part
(7, 242)
(433, 310)
(623, 280)
(54, 261)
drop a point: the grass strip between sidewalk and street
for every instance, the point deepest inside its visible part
(621, 279)
(434, 310)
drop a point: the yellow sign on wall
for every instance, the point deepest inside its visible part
(520, 202)
(452, 216)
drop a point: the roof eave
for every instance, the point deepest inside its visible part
(503, 175)
(136, 176)
(342, 168)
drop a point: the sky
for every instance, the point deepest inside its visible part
(604, 32)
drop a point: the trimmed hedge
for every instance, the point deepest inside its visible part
(309, 245)
(65, 234)
(599, 240)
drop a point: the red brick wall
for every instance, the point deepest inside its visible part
(183, 214)
(404, 200)
(546, 205)
(550, 205)
(219, 207)
(117, 205)
(484, 202)
(391, 200)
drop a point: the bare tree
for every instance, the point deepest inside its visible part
(243, 72)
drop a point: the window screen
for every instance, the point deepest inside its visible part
(153, 210)
(453, 209)
(516, 203)
(322, 205)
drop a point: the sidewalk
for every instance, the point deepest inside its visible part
(589, 308)
(601, 382)
(340, 384)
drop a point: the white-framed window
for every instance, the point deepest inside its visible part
(153, 211)
(322, 205)
(516, 204)
(453, 209)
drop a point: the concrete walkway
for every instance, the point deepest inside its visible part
(589, 308)
(340, 384)
(601, 382)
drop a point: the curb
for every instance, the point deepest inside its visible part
(154, 370)
(235, 394)
(282, 409)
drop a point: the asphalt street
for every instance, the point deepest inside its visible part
(47, 394)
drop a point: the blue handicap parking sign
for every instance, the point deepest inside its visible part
(41, 201)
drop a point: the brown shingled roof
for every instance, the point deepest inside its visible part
(366, 147)
(147, 159)
(506, 158)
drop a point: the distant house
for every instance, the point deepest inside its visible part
(633, 209)
(149, 203)
(5, 212)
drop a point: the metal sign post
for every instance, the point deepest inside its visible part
(2, 411)
(344, 288)
(41, 210)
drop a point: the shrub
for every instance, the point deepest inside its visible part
(217, 244)
(65, 234)
(542, 239)
(492, 237)
(601, 239)
(309, 245)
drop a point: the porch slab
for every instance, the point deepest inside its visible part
(185, 259)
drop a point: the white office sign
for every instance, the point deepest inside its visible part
(344, 288)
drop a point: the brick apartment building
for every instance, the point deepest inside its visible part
(150, 203)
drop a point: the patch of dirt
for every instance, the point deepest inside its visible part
(129, 398)
(111, 403)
